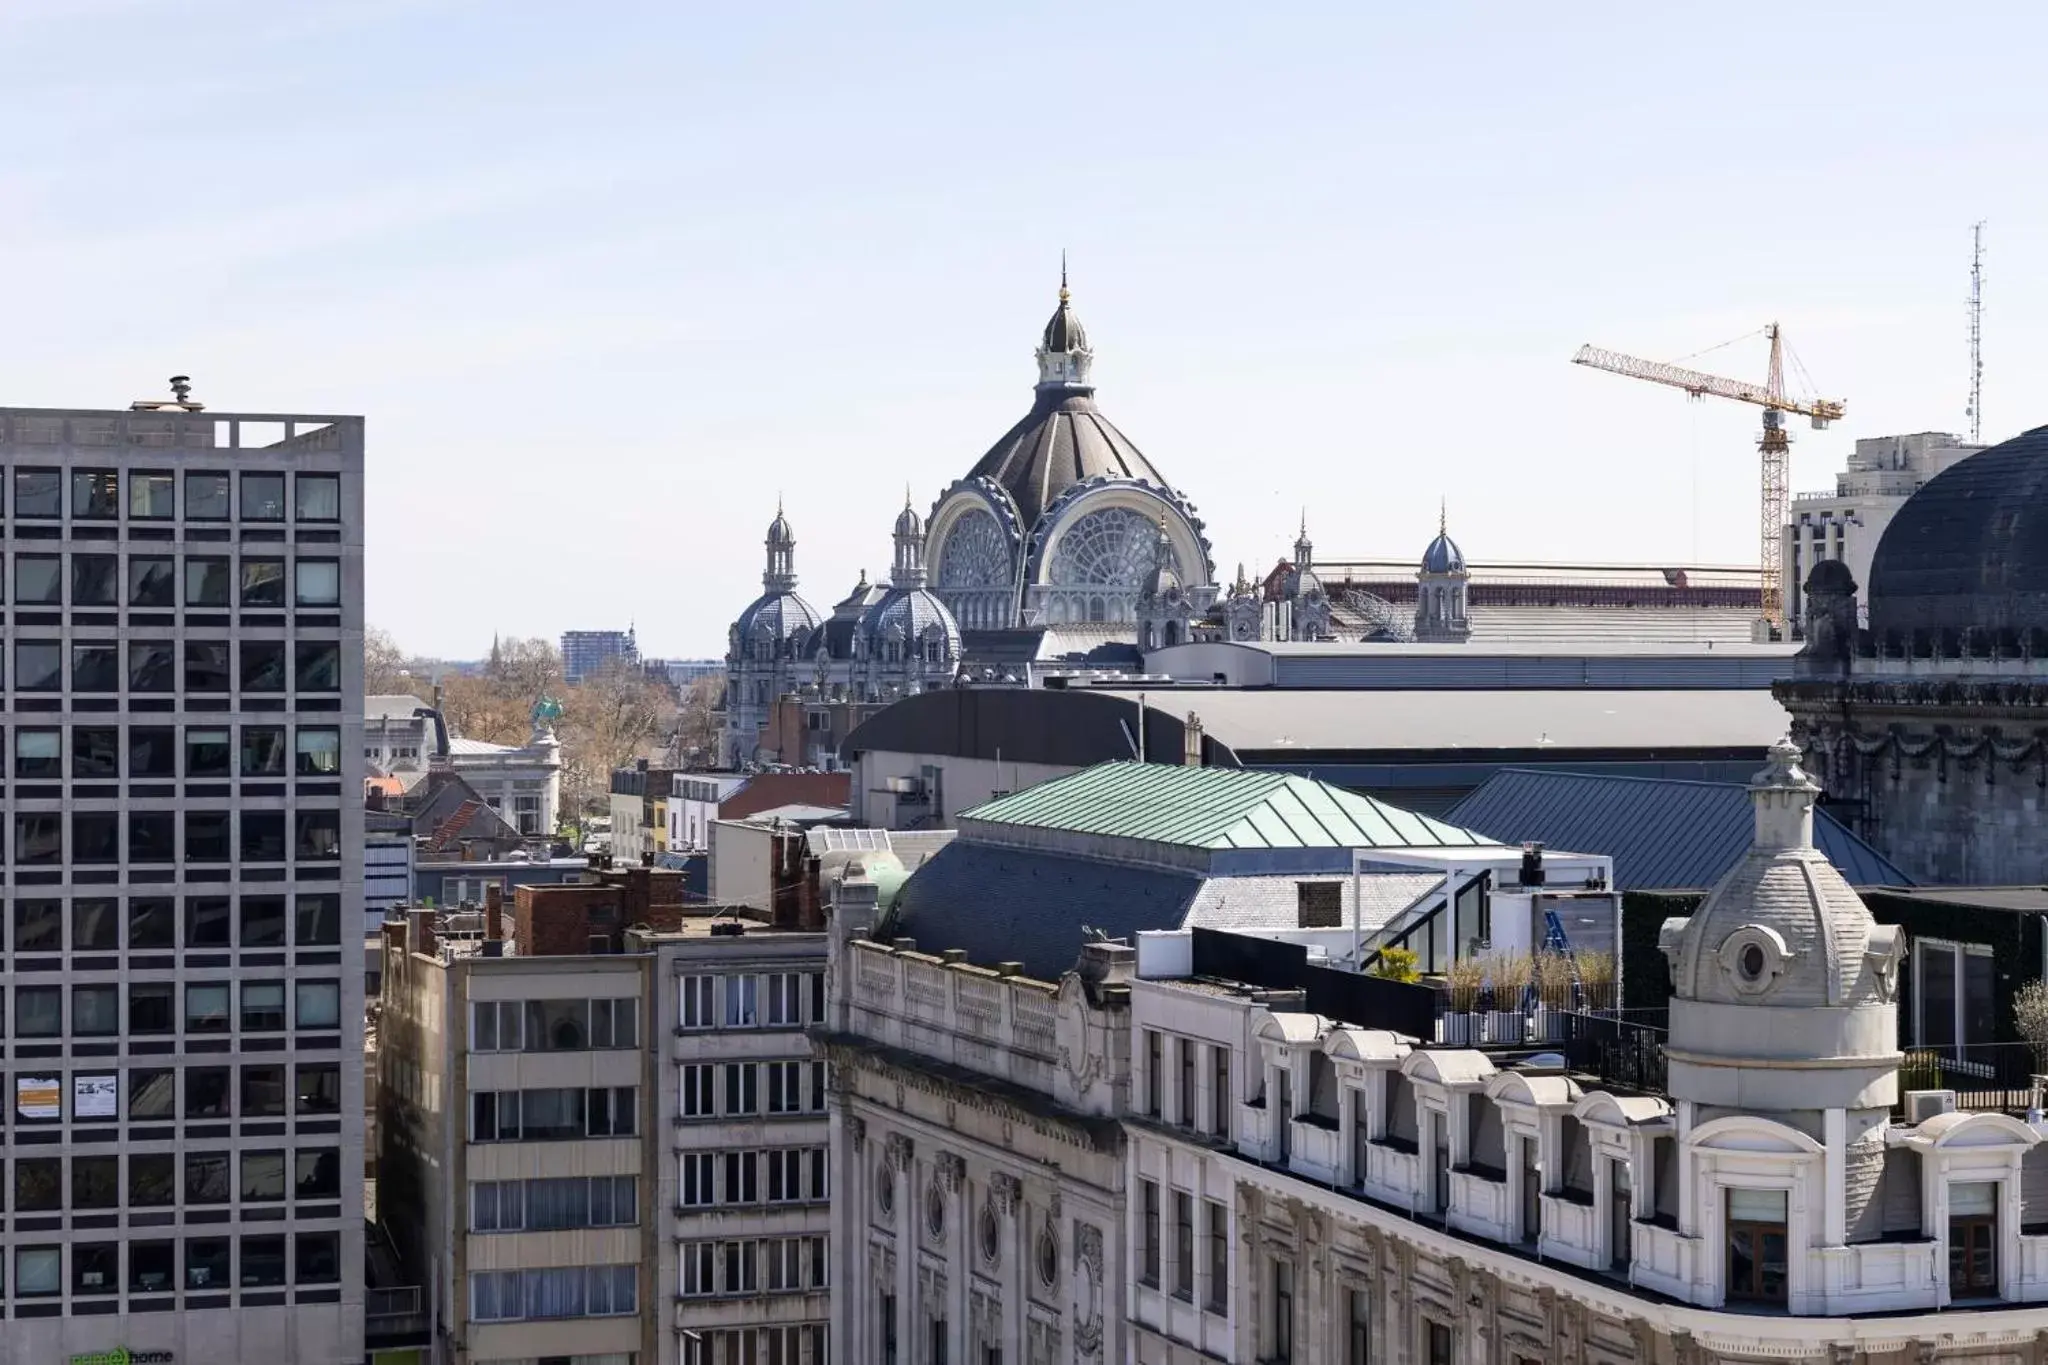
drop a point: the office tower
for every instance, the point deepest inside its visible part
(183, 829)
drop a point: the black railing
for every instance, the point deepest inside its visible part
(1348, 997)
(1986, 1077)
(1619, 1054)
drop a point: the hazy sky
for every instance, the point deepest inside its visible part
(606, 277)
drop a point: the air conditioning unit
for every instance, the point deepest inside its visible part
(1922, 1105)
(906, 786)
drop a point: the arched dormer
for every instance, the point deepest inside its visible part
(1956, 1130)
(1752, 1133)
(1620, 1111)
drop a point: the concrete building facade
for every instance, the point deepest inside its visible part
(184, 835)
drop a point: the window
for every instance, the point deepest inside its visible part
(263, 923)
(316, 1258)
(316, 1174)
(95, 580)
(39, 754)
(262, 836)
(1184, 1097)
(697, 1007)
(39, 926)
(149, 1008)
(38, 1011)
(615, 1023)
(262, 1092)
(557, 1025)
(1973, 1239)
(206, 497)
(1155, 1062)
(1184, 1245)
(700, 1269)
(318, 835)
(95, 925)
(208, 1091)
(95, 668)
(38, 1272)
(318, 665)
(741, 1266)
(206, 1263)
(263, 751)
(612, 1111)
(152, 496)
(153, 1176)
(38, 493)
(152, 1092)
(698, 1172)
(699, 1091)
(1217, 1300)
(1955, 1000)
(206, 1177)
(317, 1087)
(319, 583)
(786, 1186)
(741, 1093)
(740, 1183)
(262, 582)
(152, 836)
(208, 753)
(1756, 1245)
(263, 667)
(38, 666)
(152, 666)
(262, 1262)
(785, 1087)
(207, 924)
(495, 1026)
(206, 581)
(1283, 1312)
(206, 837)
(262, 497)
(319, 1004)
(95, 836)
(152, 1267)
(152, 751)
(96, 1268)
(206, 667)
(206, 1009)
(318, 919)
(1319, 905)
(785, 998)
(888, 1329)
(319, 751)
(152, 581)
(38, 580)
(1148, 1231)
(317, 497)
(741, 1003)
(1359, 1343)
(262, 1006)
(152, 921)
(1440, 1345)
(38, 1184)
(38, 840)
(262, 1177)
(557, 1292)
(95, 494)
(95, 1011)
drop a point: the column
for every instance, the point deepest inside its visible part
(952, 1173)
(903, 1172)
(1269, 1140)
(1348, 1101)
(1834, 1192)
(1007, 1192)
(851, 1318)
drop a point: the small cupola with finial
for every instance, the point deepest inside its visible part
(1443, 587)
(1064, 357)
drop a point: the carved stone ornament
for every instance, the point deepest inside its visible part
(900, 1149)
(1006, 1192)
(1088, 1291)
(857, 1131)
(952, 1171)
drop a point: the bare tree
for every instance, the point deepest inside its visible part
(697, 736)
(387, 669)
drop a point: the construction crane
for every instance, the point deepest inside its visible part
(1774, 444)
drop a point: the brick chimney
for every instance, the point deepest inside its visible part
(494, 913)
(421, 938)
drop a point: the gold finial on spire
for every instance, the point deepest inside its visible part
(1064, 295)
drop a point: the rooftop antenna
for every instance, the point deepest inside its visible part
(1975, 412)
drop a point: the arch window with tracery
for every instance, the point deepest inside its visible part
(1111, 548)
(976, 553)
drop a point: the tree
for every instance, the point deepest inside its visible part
(612, 718)
(527, 668)
(698, 729)
(387, 669)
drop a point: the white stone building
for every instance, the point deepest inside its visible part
(403, 737)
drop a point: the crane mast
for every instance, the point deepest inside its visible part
(1774, 445)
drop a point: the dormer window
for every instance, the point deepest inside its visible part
(1753, 957)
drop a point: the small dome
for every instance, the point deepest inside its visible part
(1063, 331)
(779, 534)
(908, 523)
(907, 617)
(1443, 556)
(777, 616)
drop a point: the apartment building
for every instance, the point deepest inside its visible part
(518, 1143)
(746, 1196)
(183, 834)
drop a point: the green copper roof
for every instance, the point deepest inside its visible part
(1217, 808)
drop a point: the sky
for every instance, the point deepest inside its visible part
(606, 280)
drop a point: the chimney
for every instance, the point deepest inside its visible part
(494, 911)
(1532, 865)
(421, 939)
(1191, 751)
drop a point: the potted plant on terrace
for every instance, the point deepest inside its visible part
(1596, 982)
(1553, 972)
(1508, 1022)
(1464, 978)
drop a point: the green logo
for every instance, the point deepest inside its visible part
(121, 1355)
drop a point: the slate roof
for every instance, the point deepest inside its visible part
(1062, 441)
(1214, 808)
(1662, 833)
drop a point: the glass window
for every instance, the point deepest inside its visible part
(206, 922)
(263, 1006)
(207, 1091)
(262, 836)
(151, 496)
(152, 1094)
(38, 493)
(95, 751)
(96, 836)
(319, 920)
(152, 581)
(319, 751)
(206, 1178)
(206, 1263)
(317, 1257)
(95, 924)
(262, 1092)
(152, 751)
(95, 580)
(318, 496)
(262, 582)
(206, 581)
(38, 1272)
(206, 666)
(206, 497)
(152, 666)
(262, 1262)
(38, 666)
(149, 1008)
(38, 1184)
(319, 1004)
(95, 1182)
(152, 922)
(263, 922)
(38, 1011)
(207, 753)
(318, 665)
(95, 494)
(262, 1177)
(39, 580)
(206, 1009)
(38, 926)
(319, 583)
(38, 840)
(95, 668)
(39, 753)
(152, 1267)
(316, 1174)
(95, 1011)
(263, 497)
(319, 834)
(263, 668)
(263, 751)
(206, 836)
(152, 836)
(316, 1087)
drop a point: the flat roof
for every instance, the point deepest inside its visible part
(1481, 648)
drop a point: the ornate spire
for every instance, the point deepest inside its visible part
(1304, 550)
(909, 568)
(780, 575)
(1443, 516)
(1064, 358)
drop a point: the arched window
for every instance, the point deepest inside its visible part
(1173, 632)
(1096, 610)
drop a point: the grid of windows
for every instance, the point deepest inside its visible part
(781, 1175)
(710, 1090)
(774, 1265)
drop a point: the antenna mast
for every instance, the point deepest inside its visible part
(1975, 412)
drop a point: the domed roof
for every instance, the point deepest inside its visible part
(778, 615)
(779, 533)
(1062, 441)
(1063, 331)
(907, 615)
(1443, 556)
(908, 523)
(1971, 547)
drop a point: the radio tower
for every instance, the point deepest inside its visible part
(1975, 412)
